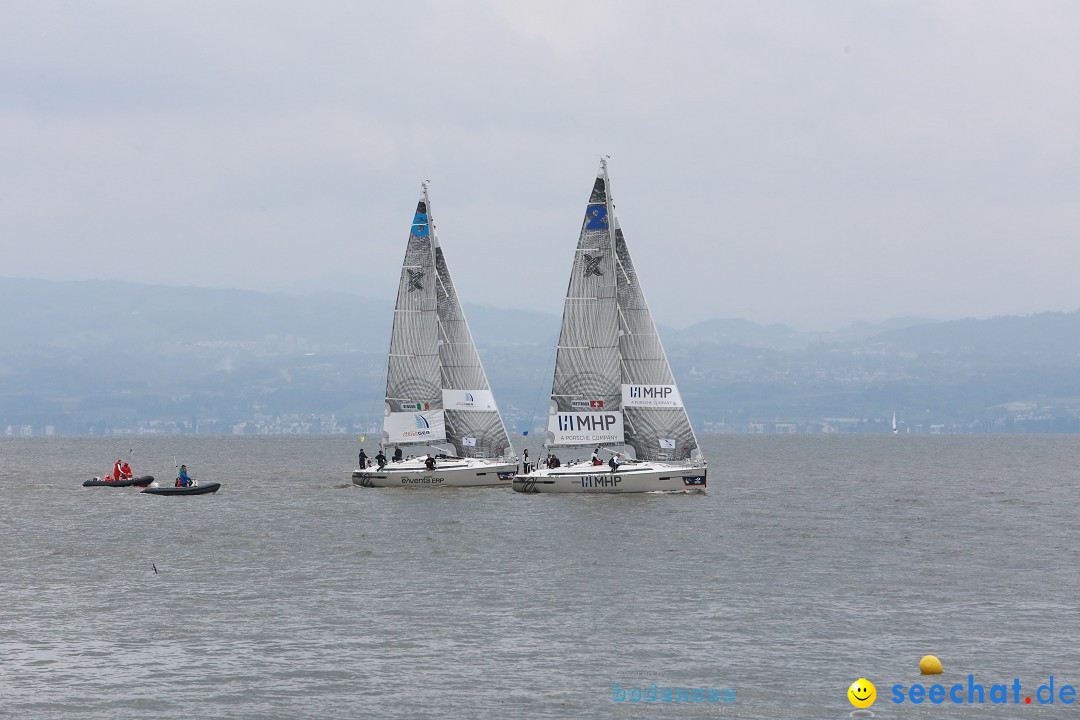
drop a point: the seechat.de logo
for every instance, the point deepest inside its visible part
(973, 693)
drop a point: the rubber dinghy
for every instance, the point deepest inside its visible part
(142, 481)
(207, 489)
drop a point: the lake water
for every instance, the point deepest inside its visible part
(812, 561)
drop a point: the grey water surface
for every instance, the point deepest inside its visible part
(811, 562)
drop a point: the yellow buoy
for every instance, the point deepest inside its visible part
(930, 665)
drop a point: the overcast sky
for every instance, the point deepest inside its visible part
(805, 162)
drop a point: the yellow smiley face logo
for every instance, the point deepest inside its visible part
(862, 693)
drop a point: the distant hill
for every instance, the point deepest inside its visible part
(1049, 336)
(89, 357)
(730, 331)
(90, 314)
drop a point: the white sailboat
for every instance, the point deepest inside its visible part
(437, 394)
(613, 386)
(894, 423)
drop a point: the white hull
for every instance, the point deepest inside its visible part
(629, 478)
(448, 472)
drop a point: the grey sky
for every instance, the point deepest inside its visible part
(803, 162)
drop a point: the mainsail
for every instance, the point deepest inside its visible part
(613, 383)
(436, 388)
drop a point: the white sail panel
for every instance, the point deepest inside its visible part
(414, 427)
(469, 400)
(654, 396)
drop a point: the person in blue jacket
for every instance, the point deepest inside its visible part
(183, 480)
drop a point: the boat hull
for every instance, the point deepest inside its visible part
(630, 478)
(207, 489)
(141, 481)
(455, 472)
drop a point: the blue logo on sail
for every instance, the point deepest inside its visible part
(421, 422)
(468, 397)
(419, 225)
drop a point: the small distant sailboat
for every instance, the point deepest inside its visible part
(613, 384)
(894, 423)
(437, 392)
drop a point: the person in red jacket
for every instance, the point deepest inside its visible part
(117, 472)
(125, 471)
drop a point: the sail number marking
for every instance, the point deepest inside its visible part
(596, 217)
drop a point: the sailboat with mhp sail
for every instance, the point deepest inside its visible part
(613, 388)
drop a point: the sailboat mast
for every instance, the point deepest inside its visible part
(433, 245)
(616, 274)
(609, 206)
(430, 220)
